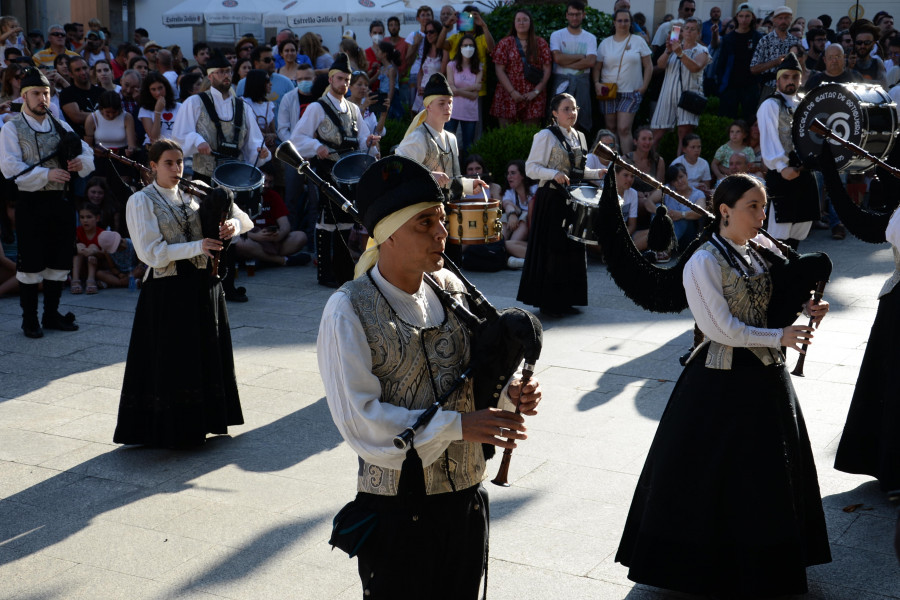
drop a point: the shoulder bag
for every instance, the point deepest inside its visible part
(532, 74)
(690, 101)
(612, 89)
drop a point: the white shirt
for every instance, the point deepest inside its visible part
(185, 130)
(288, 115)
(773, 154)
(696, 173)
(353, 392)
(662, 34)
(894, 93)
(539, 157)
(629, 204)
(414, 67)
(304, 133)
(148, 242)
(166, 120)
(172, 76)
(11, 156)
(610, 53)
(702, 280)
(564, 41)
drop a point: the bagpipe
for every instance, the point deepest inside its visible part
(69, 148)
(215, 202)
(502, 338)
(660, 289)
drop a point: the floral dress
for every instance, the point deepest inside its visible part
(506, 53)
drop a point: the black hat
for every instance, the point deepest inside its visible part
(437, 86)
(392, 184)
(341, 63)
(790, 63)
(217, 61)
(34, 78)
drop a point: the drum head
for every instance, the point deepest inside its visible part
(585, 194)
(850, 111)
(237, 176)
(350, 168)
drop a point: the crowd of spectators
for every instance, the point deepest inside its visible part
(122, 95)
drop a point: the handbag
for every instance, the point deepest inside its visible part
(691, 101)
(532, 74)
(352, 526)
(612, 89)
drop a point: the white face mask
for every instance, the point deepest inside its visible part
(376, 39)
(468, 51)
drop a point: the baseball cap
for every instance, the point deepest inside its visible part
(782, 10)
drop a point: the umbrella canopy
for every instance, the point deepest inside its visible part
(218, 12)
(303, 14)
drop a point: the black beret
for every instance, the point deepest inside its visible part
(34, 78)
(392, 184)
(217, 61)
(341, 63)
(790, 63)
(437, 86)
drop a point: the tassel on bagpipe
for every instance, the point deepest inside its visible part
(659, 289)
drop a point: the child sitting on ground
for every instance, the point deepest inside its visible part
(121, 261)
(88, 249)
(738, 134)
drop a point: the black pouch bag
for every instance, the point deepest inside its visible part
(352, 526)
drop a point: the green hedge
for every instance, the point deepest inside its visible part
(547, 19)
(394, 134)
(499, 146)
(713, 132)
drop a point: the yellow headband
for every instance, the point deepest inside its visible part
(33, 87)
(420, 118)
(385, 229)
(779, 72)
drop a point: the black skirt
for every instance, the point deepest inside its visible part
(870, 444)
(728, 501)
(555, 271)
(179, 376)
(45, 230)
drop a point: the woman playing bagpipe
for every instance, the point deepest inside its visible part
(179, 376)
(554, 277)
(728, 500)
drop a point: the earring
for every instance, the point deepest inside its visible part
(726, 221)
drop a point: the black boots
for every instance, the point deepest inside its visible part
(28, 300)
(229, 263)
(333, 257)
(51, 318)
(325, 271)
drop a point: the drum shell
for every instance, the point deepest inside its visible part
(245, 181)
(474, 222)
(860, 113)
(583, 206)
(348, 170)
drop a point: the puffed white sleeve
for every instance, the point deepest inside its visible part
(254, 141)
(304, 132)
(363, 131)
(184, 131)
(589, 173)
(773, 153)
(148, 242)
(413, 146)
(287, 108)
(892, 233)
(702, 280)
(354, 395)
(539, 157)
(11, 162)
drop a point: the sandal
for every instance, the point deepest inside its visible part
(91, 287)
(76, 287)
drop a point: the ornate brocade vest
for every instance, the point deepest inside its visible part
(329, 134)
(414, 366)
(748, 300)
(36, 145)
(785, 124)
(206, 164)
(895, 277)
(445, 161)
(169, 217)
(559, 158)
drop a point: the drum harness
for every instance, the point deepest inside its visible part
(230, 149)
(576, 174)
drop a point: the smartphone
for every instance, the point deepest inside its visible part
(378, 106)
(465, 21)
(676, 33)
(15, 107)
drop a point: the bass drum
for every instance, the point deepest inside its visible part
(245, 181)
(860, 113)
(348, 170)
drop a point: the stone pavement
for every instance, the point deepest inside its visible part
(248, 515)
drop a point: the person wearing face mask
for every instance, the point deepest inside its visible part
(376, 32)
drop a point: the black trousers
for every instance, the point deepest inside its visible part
(45, 230)
(438, 550)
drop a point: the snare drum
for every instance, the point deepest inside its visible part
(245, 181)
(583, 206)
(348, 170)
(474, 222)
(860, 113)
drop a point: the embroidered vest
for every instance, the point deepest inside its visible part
(36, 145)
(445, 161)
(895, 277)
(748, 299)
(559, 157)
(170, 218)
(411, 363)
(206, 164)
(785, 123)
(343, 138)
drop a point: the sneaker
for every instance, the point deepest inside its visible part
(515, 263)
(838, 232)
(298, 259)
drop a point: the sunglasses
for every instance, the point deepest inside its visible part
(151, 50)
(267, 59)
(863, 43)
(246, 48)
(430, 32)
(58, 34)
(688, 10)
